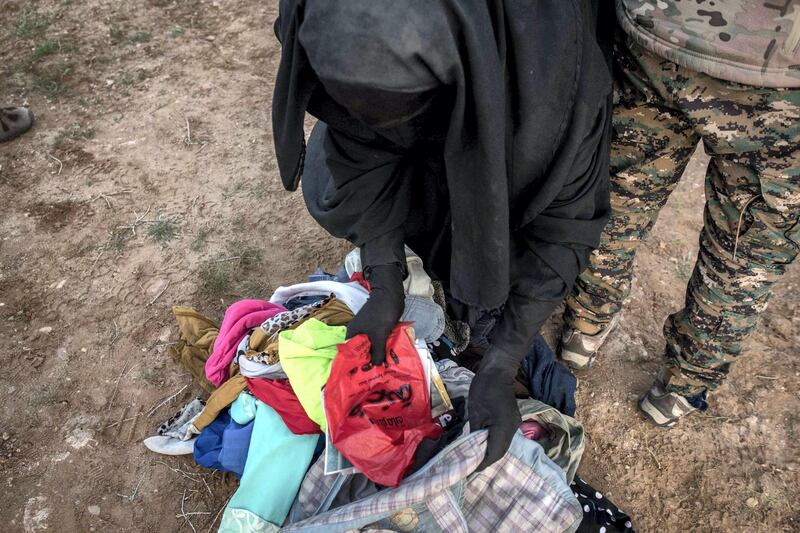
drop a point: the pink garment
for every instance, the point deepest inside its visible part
(532, 430)
(240, 318)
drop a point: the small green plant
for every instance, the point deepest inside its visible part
(200, 240)
(248, 255)
(221, 275)
(118, 240)
(49, 86)
(177, 31)
(81, 248)
(215, 278)
(141, 37)
(125, 79)
(50, 80)
(45, 48)
(238, 222)
(67, 135)
(87, 101)
(233, 188)
(163, 229)
(152, 375)
(260, 190)
(30, 23)
(117, 33)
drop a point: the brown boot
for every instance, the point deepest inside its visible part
(578, 350)
(664, 408)
(14, 121)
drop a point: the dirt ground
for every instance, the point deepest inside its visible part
(149, 180)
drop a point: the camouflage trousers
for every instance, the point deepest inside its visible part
(752, 187)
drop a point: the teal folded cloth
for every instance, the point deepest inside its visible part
(277, 461)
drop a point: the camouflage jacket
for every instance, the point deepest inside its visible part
(754, 42)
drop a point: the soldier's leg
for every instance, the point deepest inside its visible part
(751, 230)
(651, 145)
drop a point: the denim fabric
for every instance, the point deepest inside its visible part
(426, 315)
(320, 275)
(548, 380)
(353, 295)
(300, 301)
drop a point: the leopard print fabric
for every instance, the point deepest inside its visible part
(264, 340)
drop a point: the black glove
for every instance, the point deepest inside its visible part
(383, 308)
(492, 403)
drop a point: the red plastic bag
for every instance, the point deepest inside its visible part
(377, 415)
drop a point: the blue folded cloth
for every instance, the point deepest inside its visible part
(549, 381)
(320, 275)
(223, 445)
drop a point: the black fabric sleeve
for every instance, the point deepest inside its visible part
(536, 290)
(360, 163)
(356, 190)
(551, 251)
(564, 233)
(385, 249)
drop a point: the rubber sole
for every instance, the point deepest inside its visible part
(575, 360)
(653, 415)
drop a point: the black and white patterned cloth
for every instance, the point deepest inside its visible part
(599, 514)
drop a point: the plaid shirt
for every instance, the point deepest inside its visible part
(524, 491)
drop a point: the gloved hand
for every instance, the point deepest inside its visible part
(493, 405)
(383, 309)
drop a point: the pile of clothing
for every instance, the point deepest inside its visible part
(322, 440)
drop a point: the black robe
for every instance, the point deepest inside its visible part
(476, 131)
